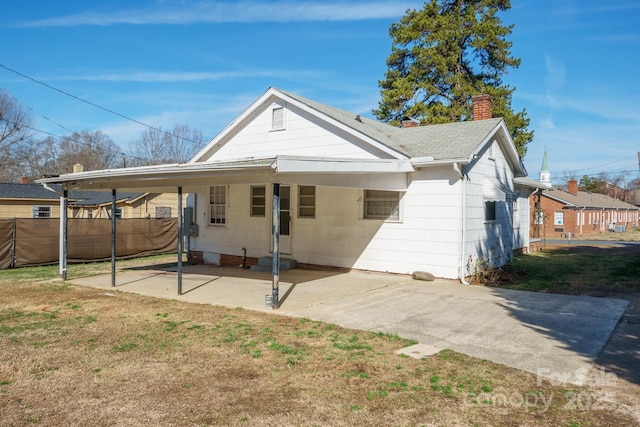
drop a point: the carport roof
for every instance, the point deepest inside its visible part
(174, 175)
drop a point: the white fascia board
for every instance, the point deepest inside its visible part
(293, 164)
(147, 173)
(423, 162)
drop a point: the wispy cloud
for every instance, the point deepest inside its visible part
(248, 11)
(556, 73)
(180, 76)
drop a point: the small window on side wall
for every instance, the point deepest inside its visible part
(277, 118)
(258, 200)
(379, 204)
(489, 211)
(41, 212)
(307, 201)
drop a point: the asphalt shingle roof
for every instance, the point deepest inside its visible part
(77, 198)
(588, 200)
(442, 142)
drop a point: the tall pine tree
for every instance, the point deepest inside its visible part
(445, 54)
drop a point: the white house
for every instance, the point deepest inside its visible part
(357, 193)
(353, 192)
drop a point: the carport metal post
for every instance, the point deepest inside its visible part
(276, 246)
(113, 237)
(63, 234)
(180, 239)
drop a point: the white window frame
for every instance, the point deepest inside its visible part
(255, 205)
(558, 218)
(278, 118)
(217, 207)
(307, 202)
(41, 211)
(390, 213)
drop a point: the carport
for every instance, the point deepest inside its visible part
(380, 174)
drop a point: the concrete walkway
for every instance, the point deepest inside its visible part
(555, 335)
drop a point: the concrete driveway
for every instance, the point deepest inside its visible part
(558, 336)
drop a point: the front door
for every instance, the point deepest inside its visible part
(285, 220)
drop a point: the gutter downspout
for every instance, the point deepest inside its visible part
(463, 235)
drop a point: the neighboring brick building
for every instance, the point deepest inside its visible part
(556, 213)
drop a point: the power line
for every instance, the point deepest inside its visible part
(97, 106)
(91, 141)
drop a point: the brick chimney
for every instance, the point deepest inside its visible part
(24, 180)
(482, 107)
(572, 187)
(408, 122)
(78, 168)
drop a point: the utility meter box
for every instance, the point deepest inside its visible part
(191, 229)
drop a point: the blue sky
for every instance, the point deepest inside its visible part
(201, 63)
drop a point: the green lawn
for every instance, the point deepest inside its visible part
(578, 270)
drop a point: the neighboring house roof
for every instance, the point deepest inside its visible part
(27, 191)
(37, 192)
(97, 198)
(587, 200)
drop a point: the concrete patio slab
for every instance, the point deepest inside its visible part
(556, 336)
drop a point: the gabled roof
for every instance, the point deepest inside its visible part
(444, 141)
(439, 143)
(37, 192)
(587, 200)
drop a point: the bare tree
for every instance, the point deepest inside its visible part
(39, 159)
(15, 122)
(93, 150)
(155, 146)
(567, 176)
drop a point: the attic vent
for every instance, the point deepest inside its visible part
(277, 118)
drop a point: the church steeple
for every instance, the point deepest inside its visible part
(545, 175)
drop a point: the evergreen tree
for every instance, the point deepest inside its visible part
(445, 54)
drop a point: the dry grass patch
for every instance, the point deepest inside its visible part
(82, 356)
